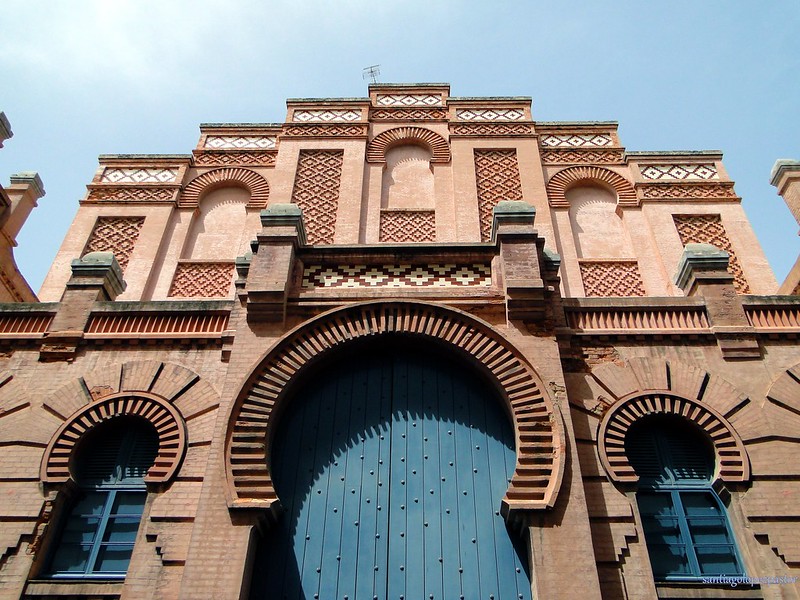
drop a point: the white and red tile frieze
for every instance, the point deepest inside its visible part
(397, 275)
(138, 175)
(680, 172)
(327, 115)
(576, 140)
(240, 142)
(490, 114)
(409, 100)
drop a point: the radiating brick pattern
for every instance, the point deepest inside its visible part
(602, 157)
(316, 192)
(139, 175)
(682, 172)
(127, 194)
(611, 278)
(397, 275)
(490, 114)
(497, 178)
(408, 226)
(440, 149)
(202, 280)
(490, 129)
(575, 140)
(713, 190)
(409, 100)
(708, 229)
(117, 235)
(404, 114)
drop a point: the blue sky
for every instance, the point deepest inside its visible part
(83, 78)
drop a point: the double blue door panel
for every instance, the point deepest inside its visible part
(391, 466)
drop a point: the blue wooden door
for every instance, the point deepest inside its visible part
(391, 466)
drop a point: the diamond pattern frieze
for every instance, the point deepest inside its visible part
(490, 114)
(240, 142)
(397, 276)
(592, 140)
(117, 235)
(408, 226)
(680, 172)
(202, 280)
(138, 175)
(326, 116)
(409, 100)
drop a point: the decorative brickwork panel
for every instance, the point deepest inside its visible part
(576, 140)
(497, 178)
(440, 149)
(708, 229)
(316, 192)
(599, 157)
(408, 226)
(109, 194)
(202, 280)
(490, 129)
(409, 100)
(611, 278)
(713, 190)
(136, 175)
(397, 276)
(117, 235)
(325, 130)
(408, 114)
(261, 159)
(326, 116)
(490, 114)
(687, 172)
(240, 142)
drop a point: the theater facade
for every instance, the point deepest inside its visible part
(408, 346)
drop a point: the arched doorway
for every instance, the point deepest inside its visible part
(391, 462)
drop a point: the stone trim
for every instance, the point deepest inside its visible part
(252, 181)
(538, 426)
(569, 177)
(440, 149)
(160, 413)
(733, 464)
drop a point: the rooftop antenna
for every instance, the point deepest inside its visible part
(371, 73)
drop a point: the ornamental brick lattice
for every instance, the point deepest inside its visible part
(262, 159)
(113, 194)
(403, 114)
(324, 130)
(316, 192)
(117, 235)
(713, 190)
(601, 157)
(708, 229)
(490, 129)
(497, 178)
(399, 276)
(611, 278)
(408, 226)
(202, 280)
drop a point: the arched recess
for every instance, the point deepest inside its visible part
(538, 428)
(440, 149)
(571, 176)
(731, 456)
(166, 419)
(252, 181)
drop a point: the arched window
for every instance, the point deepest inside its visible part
(685, 524)
(109, 468)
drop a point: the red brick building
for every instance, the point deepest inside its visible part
(404, 346)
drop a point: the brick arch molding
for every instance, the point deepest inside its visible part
(565, 179)
(440, 149)
(161, 414)
(250, 180)
(539, 429)
(731, 457)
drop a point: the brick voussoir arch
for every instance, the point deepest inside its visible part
(160, 413)
(733, 464)
(565, 179)
(539, 429)
(252, 181)
(383, 142)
